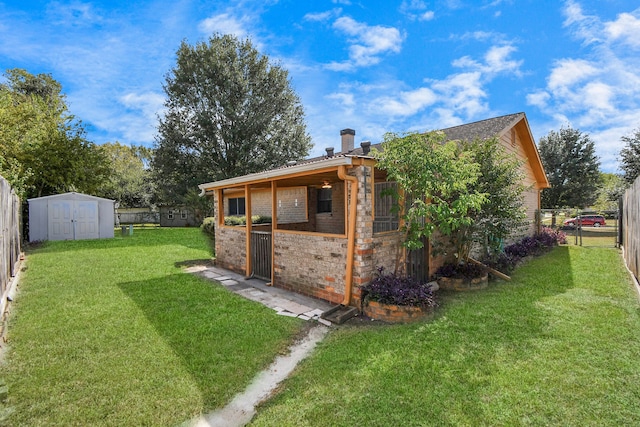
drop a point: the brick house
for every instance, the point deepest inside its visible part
(330, 226)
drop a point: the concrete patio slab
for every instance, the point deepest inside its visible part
(285, 302)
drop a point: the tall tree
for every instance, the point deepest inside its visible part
(44, 149)
(630, 156)
(129, 178)
(229, 112)
(572, 168)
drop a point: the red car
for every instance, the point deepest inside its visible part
(595, 220)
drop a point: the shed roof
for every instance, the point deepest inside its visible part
(71, 196)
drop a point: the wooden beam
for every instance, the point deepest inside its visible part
(491, 270)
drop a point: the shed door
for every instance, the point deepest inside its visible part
(86, 220)
(60, 220)
(70, 220)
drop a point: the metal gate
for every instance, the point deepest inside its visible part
(261, 254)
(418, 262)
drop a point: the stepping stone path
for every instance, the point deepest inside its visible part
(285, 303)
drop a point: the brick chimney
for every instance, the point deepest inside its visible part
(347, 136)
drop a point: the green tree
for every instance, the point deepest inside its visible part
(435, 180)
(502, 213)
(229, 112)
(630, 156)
(611, 188)
(129, 181)
(572, 168)
(44, 149)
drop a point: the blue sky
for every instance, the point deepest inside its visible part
(374, 66)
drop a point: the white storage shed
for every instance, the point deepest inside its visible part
(70, 216)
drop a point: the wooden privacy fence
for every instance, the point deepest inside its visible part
(630, 227)
(9, 236)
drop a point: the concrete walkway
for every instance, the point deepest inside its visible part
(285, 303)
(242, 408)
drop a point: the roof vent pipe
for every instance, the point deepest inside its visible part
(329, 151)
(347, 136)
(366, 147)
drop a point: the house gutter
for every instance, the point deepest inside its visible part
(351, 235)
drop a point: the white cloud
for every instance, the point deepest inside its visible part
(496, 61)
(226, 23)
(75, 13)
(427, 16)
(444, 102)
(322, 16)
(150, 103)
(367, 43)
(538, 99)
(568, 72)
(463, 93)
(481, 36)
(416, 9)
(626, 29)
(345, 99)
(407, 103)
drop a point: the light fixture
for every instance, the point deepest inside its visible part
(326, 184)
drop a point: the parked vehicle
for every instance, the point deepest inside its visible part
(586, 220)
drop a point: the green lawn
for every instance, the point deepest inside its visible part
(114, 333)
(559, 345)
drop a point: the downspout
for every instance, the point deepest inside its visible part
(351, 232)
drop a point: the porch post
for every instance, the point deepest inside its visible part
(247, 204)
(220, 206)
(274, 225)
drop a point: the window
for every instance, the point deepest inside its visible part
(236, 206)
(386, 219)
(183, 214)
(170, 214)
(324, 200)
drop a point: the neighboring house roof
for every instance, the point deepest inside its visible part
(483, 129)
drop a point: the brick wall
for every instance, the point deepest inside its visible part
(231, 248)
(311, 265)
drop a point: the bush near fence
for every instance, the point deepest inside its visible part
(9, 237)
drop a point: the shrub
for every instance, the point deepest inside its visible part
(398, 290)
(208, 227)
(468, 271)
(527, 246)
(242, 220)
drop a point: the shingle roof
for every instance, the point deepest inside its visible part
(483, 129)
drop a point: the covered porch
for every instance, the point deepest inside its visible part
(308, 214)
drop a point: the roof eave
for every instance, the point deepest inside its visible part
(280, 173)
